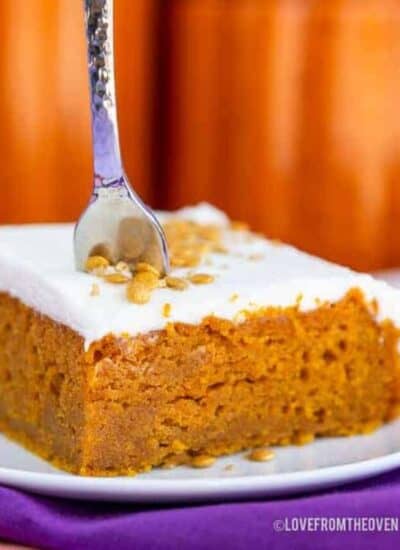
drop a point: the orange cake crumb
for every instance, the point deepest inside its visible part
(189, 393)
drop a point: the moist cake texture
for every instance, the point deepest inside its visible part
(260, 345)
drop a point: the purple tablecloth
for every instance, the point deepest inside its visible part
(51, 523)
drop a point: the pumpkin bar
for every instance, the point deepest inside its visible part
(247, 342)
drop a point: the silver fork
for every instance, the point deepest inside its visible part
(116, 224)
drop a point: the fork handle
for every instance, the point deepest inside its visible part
(99, 32)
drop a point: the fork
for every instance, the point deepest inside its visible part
(116, 224)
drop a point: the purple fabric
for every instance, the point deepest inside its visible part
(52, 523)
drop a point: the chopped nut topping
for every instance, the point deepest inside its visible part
(147, 268)
(189, 242)
(95, 290)
(116, 278)
(166, 310)
(176, 283)
(140, 287)
(260, 455)
(202, 461)
(147, 278)
(201, 279)
(96, 262)
(122, 266)
(185, 260)
(137, 292)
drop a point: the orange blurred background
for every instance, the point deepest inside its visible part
(285, 113)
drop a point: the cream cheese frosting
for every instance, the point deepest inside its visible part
(37, 267)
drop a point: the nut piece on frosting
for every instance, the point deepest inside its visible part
(139, 289)
(147, 278)
(201, 278)
(137, 292)
(177, 283)
(189, 242)
(144, 267)
(94, 263)
(166, 310)
(116, 278)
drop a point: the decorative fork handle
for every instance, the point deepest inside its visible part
(107, 156)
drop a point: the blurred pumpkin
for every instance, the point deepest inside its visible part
(286, 114)
(45, 137)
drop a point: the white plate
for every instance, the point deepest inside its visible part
(324, 463)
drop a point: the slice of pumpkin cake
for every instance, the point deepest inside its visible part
(246, 342)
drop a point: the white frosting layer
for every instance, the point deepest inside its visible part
(36, 266)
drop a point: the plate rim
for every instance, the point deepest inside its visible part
(134, 489)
